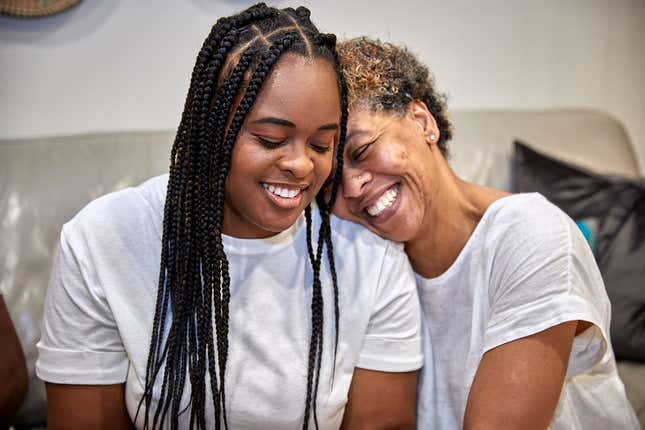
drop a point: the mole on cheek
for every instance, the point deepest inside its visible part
(402, 158)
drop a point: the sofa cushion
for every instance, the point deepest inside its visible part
(43, 183)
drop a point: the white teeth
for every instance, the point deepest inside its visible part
(282, 192)
(384, 202)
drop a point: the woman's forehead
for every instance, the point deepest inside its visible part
(300, 87)
(362, 117)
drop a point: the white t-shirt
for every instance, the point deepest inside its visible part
(525, 268)
(101, 302)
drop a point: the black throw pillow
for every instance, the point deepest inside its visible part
(610, 210)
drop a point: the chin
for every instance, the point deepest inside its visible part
(392, 230)
(279, 225)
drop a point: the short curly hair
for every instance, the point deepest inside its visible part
(386, 77)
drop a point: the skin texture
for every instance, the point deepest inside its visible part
(373, 396)
(381, 152)
(287, 140)
(528, 374)
(434, 215)
(13, 371)
(99, 407)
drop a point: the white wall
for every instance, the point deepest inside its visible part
(116, 65)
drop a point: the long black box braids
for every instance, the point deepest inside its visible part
(193, 292)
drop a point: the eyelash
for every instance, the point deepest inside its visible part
(360, 151)
(269, 144)
(321, 149)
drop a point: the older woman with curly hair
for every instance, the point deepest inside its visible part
(516, 311)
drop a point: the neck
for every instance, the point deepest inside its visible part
(452, 214)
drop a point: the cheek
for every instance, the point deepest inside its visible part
(323, 166)
(407, 155)
(342, 210)
(250, 160)
(394, 161)
(240, 156)
(340, 206)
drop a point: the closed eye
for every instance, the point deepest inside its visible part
(321, 148)
(268, 143)
(360, 151)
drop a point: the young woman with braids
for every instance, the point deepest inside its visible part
(516, 311)
(268, 313)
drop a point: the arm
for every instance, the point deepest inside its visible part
(381, 400)
(81, 356)
(71, 407)
(543, 271)
(13, 371)
(518, 384)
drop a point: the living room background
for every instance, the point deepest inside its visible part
(119, 65)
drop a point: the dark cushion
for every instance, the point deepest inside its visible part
(610, 211)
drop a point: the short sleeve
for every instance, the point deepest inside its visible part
(393, 338)
(544, 275)
(80, 342)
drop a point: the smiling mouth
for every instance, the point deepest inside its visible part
(384, 202)
(285, 196)
(282, 191)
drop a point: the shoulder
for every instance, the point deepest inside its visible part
(542, 273)
(521, 225)
(361, 239)
(530, 244)
(368, 259)
(537, 254)
(527, 214)
(126, 214)
(369, 254)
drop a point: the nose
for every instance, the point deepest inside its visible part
(296, 161)
(354, 180)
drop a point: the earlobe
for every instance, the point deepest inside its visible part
(425, 120)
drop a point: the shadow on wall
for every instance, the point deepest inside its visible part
(56, 29)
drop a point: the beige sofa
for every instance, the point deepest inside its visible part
(45, 181)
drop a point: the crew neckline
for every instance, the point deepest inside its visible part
(238, 245)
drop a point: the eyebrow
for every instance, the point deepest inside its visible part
(275, 121)
(330, 126)
(285, 123)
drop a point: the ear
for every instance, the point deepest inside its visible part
(423, 118)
